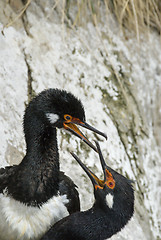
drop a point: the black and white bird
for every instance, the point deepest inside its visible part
(113, 208)
(35, 194)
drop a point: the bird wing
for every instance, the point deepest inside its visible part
(67, 186)
(5, 174)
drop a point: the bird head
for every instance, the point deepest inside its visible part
(114, 192)
(61, 109)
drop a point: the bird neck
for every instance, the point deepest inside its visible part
(40, 166)
(42, 145)
(105, 222)
(41, 139)
(111, 218)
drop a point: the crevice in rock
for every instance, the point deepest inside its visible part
(30, 91)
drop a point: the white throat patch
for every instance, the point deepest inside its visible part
(52, 117)
(109, 200)
(18, 221)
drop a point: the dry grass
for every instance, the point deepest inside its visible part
(137, 15)
(19, 15)
(134, 15)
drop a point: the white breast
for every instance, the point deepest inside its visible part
(18, 221)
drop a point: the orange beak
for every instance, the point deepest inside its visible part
(71, 126)
(98, 183)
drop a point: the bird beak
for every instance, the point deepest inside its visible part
(98, 183)
(71, 126)
(103, 164)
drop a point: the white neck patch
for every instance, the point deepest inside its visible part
(109, 200)
(18, 221)
(52, 117)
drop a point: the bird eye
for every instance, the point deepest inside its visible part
(110, 185)
(67, 117)
(110, 181)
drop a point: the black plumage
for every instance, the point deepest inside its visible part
(38, 178)
(113, 208)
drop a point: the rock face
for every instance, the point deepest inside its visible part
(118, 82)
